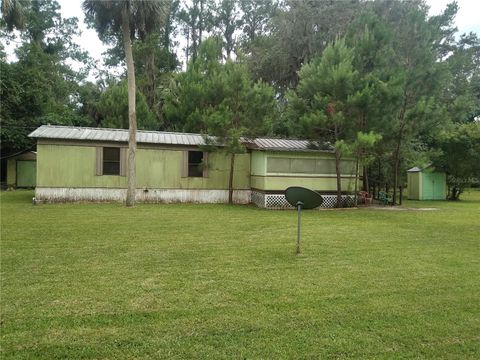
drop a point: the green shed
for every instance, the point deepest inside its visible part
(425, 183)
(22, 170)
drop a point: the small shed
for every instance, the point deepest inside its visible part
(425, 183)
(22, 170)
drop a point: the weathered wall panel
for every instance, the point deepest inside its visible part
(315, 183)
(52, 195)
(30, 170)
(413, 186)
(321, 176)
(259, 163)
(433, 185)
(11, 172)
(75, 166)
(26, 173)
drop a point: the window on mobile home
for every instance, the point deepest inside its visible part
(195, 162)
(111, 161)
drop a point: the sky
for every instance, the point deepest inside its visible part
(467, 20)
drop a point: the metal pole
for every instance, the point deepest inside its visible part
(299, 210)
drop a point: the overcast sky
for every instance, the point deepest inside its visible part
(467, 20)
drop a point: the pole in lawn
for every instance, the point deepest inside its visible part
(302, 198)
(299, 210)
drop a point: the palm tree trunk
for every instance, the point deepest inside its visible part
(132, 116)
(230, 179)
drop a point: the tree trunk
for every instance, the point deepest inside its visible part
(200, 24)
(398, 147)
(456, 192)
(395, 182)
(187, 48)
(230, 179)
(339, 179)
(396, 165)
(132, 117)
(366, 185)
(356, 181)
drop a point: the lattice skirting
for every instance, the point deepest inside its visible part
(278, 201)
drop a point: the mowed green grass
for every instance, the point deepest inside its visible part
(101, 281)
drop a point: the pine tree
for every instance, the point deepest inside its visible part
(320, 107)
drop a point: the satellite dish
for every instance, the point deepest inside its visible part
(302, 198)
(310, 199)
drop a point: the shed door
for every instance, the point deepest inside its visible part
(433, 186)
(26, 173)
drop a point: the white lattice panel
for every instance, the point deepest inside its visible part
(258, 198)
(278, 201)
(330, 201)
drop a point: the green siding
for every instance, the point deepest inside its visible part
(74, 166)
(258, 182)
(427, 185)
(12, 172)
(277, 170)
(26, 173)
(413, 186)
(289, 163)
(21, 170)
(259, 163)
(314, 183)
(433, 186)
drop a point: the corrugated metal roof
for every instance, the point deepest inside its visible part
(274, 144)
(116, 135)
(170, 138)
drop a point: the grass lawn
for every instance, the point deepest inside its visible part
(98, 281)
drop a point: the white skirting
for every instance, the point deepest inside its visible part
(47, 194)
(278, 201)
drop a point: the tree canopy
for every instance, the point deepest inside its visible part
(381, 81)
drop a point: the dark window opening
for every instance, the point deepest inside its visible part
(195, 160)
(111, 161)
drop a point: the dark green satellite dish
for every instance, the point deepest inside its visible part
(302, 198)
(310, 199)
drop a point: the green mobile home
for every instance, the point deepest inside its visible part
(274, 169)
(88, 164)
(425, 183)
(22, 170)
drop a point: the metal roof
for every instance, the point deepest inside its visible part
(116, 135)
(418, 169)
(170, 138)
(274, 144)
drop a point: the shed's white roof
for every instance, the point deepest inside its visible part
(162, 137)
(418, 169)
